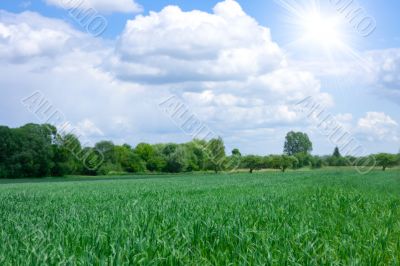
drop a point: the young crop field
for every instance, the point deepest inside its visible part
(308, 218)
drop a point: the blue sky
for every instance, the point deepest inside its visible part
(267, 13)
(243, 87)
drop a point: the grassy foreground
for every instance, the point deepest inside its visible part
(316, 217)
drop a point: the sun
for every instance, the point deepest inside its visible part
(313, 27)
(320, 30)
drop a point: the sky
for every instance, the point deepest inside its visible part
(241, 69)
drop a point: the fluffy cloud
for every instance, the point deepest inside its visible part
(29, 35)
(235, 112)
(69, 77)
(106, 6)
(177, 46)
(223, 65)
(378, 126)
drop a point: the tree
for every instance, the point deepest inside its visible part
(61, 159)
(156, 163)
(196, 152)
(33, 153)
(252, 162)
(303, 160)
(398, 158)
(336, 153)
(297, 142)
(90, 161)
(67, 155)
(386, 160)
(287, 162)
(273, 161)
(317, 162)
(145, 151)
(7, 148)
(216, 154)
(107, 149)
(136, 164)
(176, 158)
(236, 152)
(234, 161)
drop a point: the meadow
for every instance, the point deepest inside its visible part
(319, 217)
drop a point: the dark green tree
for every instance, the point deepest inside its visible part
(33, 155)
(252, 162)
(336, 153)
(176, 158)
(8, 146)
(386, 160)
(236, 152)
(297, 142)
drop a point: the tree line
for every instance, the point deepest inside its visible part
(39, 150)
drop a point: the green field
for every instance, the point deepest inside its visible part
(311, 217)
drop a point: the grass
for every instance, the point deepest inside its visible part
(312, 217)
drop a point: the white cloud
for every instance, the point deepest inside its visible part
(378, 126)
(28, 36)
(377, 71)
(223, 64)
(177, 46)
(106, 6)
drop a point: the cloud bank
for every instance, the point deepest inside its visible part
(224, 65)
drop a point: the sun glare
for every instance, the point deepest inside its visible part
(320, 30)
(315, 28)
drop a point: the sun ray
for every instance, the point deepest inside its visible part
(318, 32)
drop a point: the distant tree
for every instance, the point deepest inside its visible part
(287, 161)
(108, 168)
(234, 161)
(386, 160)
(273, 161)
(336, 153)
(104, 146)
(69, 155)
(169, 148)
(303, 160)
(107, 149)
(176, 158)
(236, 152)
(8, 146)
(336, 159)
(196, 152)
(136, 164)
(252, 162)
(91, 161)
(156, 163)
(398, 158)
(123, 156)
(215, 154)
(33, 155)
(297, 142)
(317, 162)
(145, 151)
